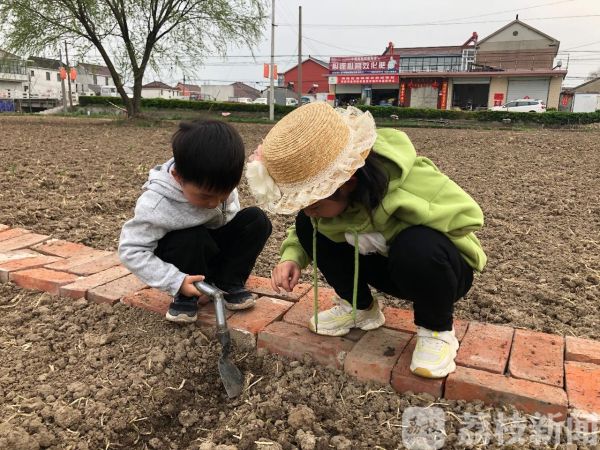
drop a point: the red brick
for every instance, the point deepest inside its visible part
(582, 350)
(294, 341)
(207, 319)
(245, 325)
(376, 354)
(29, 260)
(3, 227)
(82, 285)
(12, 233)
(96, 265)
(262, 286)
(399, 319)
(42, 279)
(17, 254)
(583, 386)
(113, 291)
(23, 241)
(485, 347)
(74, 261)
(537, 357)
(303, 310)
(64, 249)
(495, 389)
(150, 299)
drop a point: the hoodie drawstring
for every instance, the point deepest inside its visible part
(315, 225)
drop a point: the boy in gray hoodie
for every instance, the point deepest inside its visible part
(188, 225)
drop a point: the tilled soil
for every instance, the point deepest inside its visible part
(78, 179)
(78, 375)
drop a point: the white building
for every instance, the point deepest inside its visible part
(13, 73)
(91, 78)
(44, 79)
(158, 89)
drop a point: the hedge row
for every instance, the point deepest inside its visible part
(164, 103)
(547, 118)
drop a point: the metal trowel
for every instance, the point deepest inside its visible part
(232, 378)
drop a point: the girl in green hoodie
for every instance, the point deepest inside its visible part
(369, 213)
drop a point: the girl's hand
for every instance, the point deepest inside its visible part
(285, 275)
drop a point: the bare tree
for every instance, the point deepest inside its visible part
(593, 75)
(131, 35)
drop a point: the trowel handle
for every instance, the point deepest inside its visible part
(217, 296)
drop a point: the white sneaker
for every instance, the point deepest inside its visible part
(434, 353)
(338, 321)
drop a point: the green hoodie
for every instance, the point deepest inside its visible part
(418, 194)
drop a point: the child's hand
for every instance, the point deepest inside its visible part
(187, 287)
(285, 275)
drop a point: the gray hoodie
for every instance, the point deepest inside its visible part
(162, 208)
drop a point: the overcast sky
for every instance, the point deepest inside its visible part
(364, 27)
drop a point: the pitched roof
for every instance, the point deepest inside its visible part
(535, 30)
(95, 69)
(156, 85)
(188, 87)
(585, 83)
(5, 54)
(310, 58)
(249, 90)
(45, 63)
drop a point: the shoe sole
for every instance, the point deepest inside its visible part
(372, 325)
(181, 318)
(440, 373)
(237, 306)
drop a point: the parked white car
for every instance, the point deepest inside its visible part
(291, 101)
(522, 105)
(244, 100)
(261, 101)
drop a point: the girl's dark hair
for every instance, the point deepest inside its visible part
(209, 153)
(372, 183)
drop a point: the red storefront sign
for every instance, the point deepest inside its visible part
(364, 64)
(368, 79)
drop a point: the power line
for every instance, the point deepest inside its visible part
(427, 24)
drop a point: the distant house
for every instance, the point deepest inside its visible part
(91, 78)
(582, 98)
(229, 92)
(315, 77)
(45, 78)
(193, 91)
(158, 89)
(13, 73)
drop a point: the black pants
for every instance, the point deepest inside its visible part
(422, 266)
(226, 255)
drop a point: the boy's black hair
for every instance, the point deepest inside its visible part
(372, 183)
(209, 153)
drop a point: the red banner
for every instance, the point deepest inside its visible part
(365, 64)
(368, 79)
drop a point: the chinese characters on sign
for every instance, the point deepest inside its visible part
(364, 64)
(367, 79)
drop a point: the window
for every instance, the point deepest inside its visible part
(95, 79)
(106, 81)
(47, 76)
(511, 104)
(58, 77)
(32, 73)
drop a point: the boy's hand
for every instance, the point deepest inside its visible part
(187, 287)
(285, 275)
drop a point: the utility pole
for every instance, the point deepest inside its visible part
(271, 82)
(62, 85)
(68, 76)
(299, 56)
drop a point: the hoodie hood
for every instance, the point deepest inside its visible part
(161, 181)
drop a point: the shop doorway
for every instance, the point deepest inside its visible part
(384, 97)
(347, 99)
(470, 96)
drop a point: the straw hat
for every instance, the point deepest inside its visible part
(308, 155)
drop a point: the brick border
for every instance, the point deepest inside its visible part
(536, 372)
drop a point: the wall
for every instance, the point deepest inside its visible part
(218, 92)
(42, 87)
(554, 92)
(497, 84)
(160, 93)
(312, 72)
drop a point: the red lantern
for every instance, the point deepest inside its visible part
(435, 84)
(73, 74)
(63, 73)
